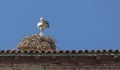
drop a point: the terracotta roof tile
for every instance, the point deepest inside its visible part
(60, 51)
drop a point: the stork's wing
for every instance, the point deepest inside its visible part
(47, 23)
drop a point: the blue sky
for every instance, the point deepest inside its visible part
(75, 24)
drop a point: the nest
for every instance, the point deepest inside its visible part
(37, 42)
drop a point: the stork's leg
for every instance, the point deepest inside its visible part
(41, 31)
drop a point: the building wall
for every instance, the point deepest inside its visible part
(60, 63)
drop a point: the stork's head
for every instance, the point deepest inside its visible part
(41, 18)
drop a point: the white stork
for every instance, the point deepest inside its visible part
(42, 25)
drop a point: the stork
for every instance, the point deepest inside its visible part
(42, 25)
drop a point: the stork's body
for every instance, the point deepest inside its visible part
(42, 25)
